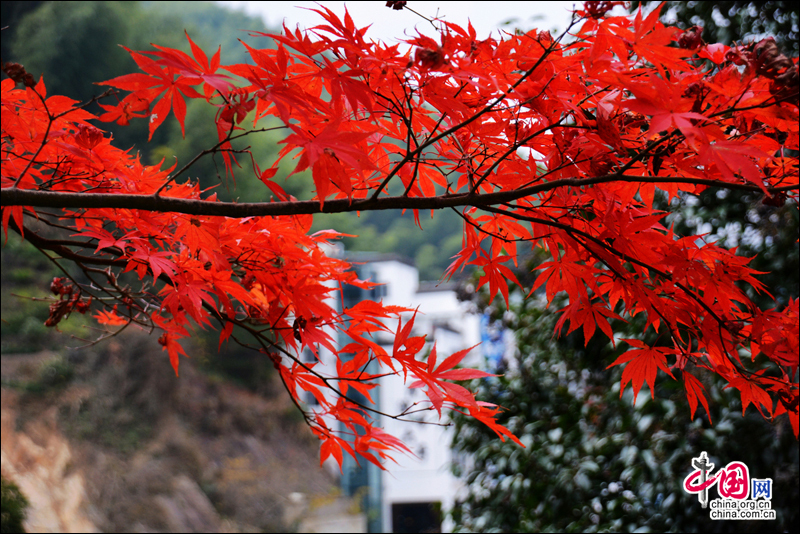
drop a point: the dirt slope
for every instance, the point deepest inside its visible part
(109, 439)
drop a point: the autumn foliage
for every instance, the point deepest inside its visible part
(536, 141)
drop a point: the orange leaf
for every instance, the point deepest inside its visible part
(110, 318)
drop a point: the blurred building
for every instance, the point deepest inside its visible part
(411, 495)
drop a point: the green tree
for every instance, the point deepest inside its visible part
(10, 14)
(13, 507)
(650, 445)
(739, 218)
(725, 22)
(64, 31)
(596, 462)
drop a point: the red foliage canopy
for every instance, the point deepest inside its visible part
(534, 142)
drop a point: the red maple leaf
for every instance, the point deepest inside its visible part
(642, 365)
(543, 148)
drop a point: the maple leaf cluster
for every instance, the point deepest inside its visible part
(534, 142)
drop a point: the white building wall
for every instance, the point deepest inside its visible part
(443, 319)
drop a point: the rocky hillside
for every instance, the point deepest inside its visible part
(108, 439)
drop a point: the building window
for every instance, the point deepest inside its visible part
(308, 356)
(378, 292)
(417, 517)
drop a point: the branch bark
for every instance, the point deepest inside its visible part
(57, 199)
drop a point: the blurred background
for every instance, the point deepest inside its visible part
(106, 438)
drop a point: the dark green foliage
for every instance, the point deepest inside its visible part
(58, 38)
(584, 441)
(725, 22)
(595, 462)
(245, 367)
(53, 39)
(767, 233)
(26, 275)
(51, 375)
(11, 13)
(12, 508)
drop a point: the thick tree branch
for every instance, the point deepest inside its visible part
(63, 251)
(57, 199)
